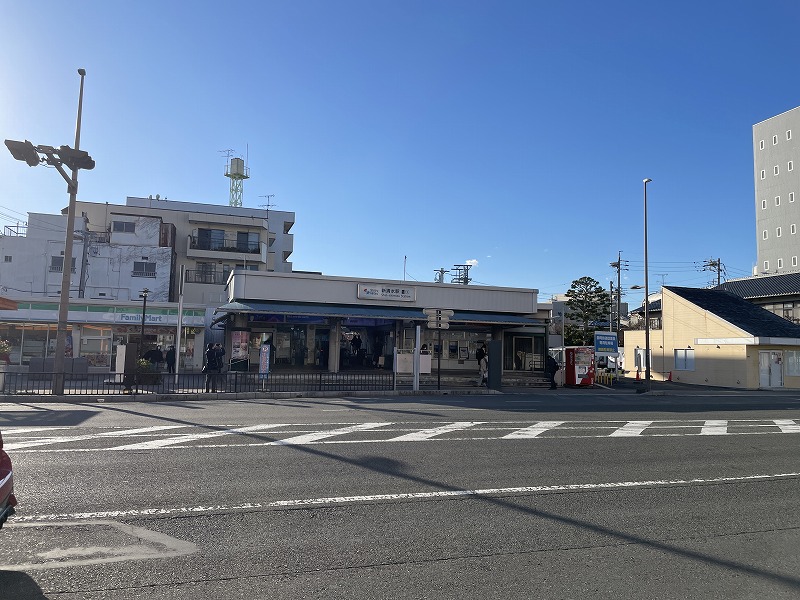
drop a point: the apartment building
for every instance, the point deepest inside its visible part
(776, 161)
(210, 240)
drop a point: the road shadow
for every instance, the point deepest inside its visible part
(16, 585)
(44, 418)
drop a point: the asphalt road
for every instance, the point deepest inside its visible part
(573, 494)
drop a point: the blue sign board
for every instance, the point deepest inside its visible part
(605, 342)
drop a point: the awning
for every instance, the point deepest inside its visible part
(368, 312)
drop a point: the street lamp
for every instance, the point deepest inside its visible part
(646, 298)
(143, 295)
(74, 159)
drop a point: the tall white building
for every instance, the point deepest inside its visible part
(776, 162)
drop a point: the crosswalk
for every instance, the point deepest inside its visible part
(165, 437)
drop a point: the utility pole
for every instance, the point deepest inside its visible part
(440, 273)
(462, 274)
(714, 265)
(620, 265)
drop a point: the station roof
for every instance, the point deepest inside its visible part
(369, 312)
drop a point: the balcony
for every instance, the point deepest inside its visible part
(208, 277)
(224, 245)
(228, 249)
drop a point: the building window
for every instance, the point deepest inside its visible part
(789, 134)
(247, 241)
(793, 228)
(684, 359)
(791, 358)
(794, 261)
(790, 166)
(791, 196)
(774, 140)
(124, 226)
(780, 263)
(763, 173)
(211, 239)
(7, 259)
(775, 170)
(764, 235)
(764, 204)
(761, 145)
(766, 265)
(777, 200)
(778, 232)
(57, 264)
(143, 269)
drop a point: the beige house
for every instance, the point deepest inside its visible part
(715, 338)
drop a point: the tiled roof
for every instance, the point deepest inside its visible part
(737, 311)
(764, 286)
(654, 306)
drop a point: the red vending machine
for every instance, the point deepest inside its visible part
(579, 366)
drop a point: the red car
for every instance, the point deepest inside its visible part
(7, 499)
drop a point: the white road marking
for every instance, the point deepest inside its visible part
(713, 427)
(442, 494)
(631, 429)
(787, 425)
(92, 436)
(309, 438)
(191, 437)
(533, 431)
(427, 434)
(315, 433)
(143, 544)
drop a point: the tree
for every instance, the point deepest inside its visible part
(588, 302)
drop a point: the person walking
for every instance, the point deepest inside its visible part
(483, 364)
(551, 368)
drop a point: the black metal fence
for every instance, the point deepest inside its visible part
(13, 383)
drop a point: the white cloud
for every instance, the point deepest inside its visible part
(473, 262)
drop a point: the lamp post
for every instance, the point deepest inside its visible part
(143, 295)
(646, 298)
(75, 159)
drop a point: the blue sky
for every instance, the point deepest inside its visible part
(514, 134)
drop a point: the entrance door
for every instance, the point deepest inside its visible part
(523, 353)
(770, 368)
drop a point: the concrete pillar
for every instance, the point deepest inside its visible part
(334, 338)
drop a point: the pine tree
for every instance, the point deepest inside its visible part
(588, 302)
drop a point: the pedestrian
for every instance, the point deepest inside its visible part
(483, 365)
(212, 366)
(171, 359)
(551, 368)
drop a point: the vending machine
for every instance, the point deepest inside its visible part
(578, 366)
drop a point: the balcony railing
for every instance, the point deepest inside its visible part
(211, 277)
(59, 269)
(224, 245)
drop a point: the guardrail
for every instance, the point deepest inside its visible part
(12, 383)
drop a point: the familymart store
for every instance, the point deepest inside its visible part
(96, 329)
(313, 321)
